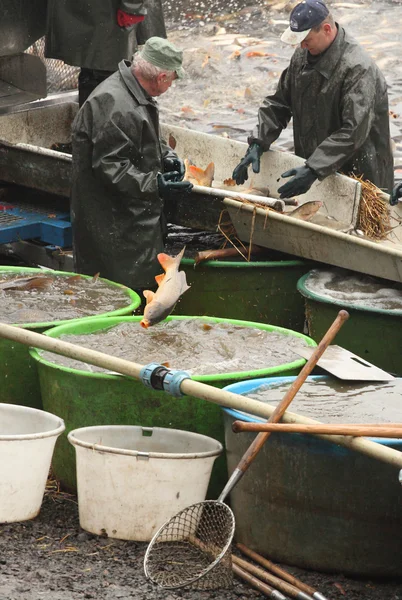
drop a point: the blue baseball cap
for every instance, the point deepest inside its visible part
(304, 16)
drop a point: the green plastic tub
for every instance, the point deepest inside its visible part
(18, 374)
(263, 291)
(85, 399)
(374, 334)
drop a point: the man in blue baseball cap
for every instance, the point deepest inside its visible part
(338, 99)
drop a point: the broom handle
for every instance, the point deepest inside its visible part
(192, 388)
(386, 430)
(276, 416)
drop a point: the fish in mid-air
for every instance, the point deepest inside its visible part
(199, 176)
(305, 211)
(171, 285)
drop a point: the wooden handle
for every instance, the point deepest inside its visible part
(191, 388)
(223, 253)
(283, 586)
(386, 430)
(264, 562)
(255, 583)
(276, 416)
(240, 567)
(274, 203)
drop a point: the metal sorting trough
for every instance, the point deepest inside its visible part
(22, 76)
(26, 159)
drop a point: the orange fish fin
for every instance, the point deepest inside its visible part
(210, 171)
(183, 282)
(159, 278)
(148, 295)
(195, 170)
(167, 261)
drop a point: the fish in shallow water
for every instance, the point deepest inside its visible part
(199, 176)
(306, 211)
(171, 285)
(23, 284)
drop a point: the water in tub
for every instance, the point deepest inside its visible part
(331, 400)
(355, 289)
(46, 297)
(199, 346)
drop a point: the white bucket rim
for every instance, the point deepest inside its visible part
(18, 437)
(74, 441)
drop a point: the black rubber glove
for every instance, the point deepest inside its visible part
(171, 163)
(252, 157)
(168, 184)
(302, 180)
(396, 194)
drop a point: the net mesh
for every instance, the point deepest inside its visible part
(60, 77)
(193, 548)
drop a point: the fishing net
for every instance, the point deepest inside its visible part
(193, 548)
(60, 77)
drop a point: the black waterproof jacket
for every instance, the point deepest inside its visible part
(117, 214)
(153, 24)
(340, 113)
(85, 33)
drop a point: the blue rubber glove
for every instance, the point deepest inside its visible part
(252, 157)
(302, 180)
(168, 184)
(396, 194)
(174, 164)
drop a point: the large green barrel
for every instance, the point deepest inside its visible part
(310, 503)
(375, 334)
(263, 291)
(84, 399)
(18, 373)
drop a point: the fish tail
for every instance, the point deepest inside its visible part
(167, 261)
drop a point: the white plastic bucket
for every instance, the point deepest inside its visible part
(131, 479)
(27, 439)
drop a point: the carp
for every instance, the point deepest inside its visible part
(23, 284)
(171, 285)
(199, 176)
(306, 211)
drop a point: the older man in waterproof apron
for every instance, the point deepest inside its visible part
(123, 173)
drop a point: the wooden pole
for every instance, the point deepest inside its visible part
(386, 430)
(192, 388)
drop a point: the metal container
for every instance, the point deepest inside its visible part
(22, 76)
(86, 399)
(263, 291)
(374, 334)
(20, 383)
(309, 503)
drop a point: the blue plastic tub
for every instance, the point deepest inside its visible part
(313, 504)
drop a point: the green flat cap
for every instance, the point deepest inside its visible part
(163, 54)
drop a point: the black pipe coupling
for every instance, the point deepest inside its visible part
(158, 377)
